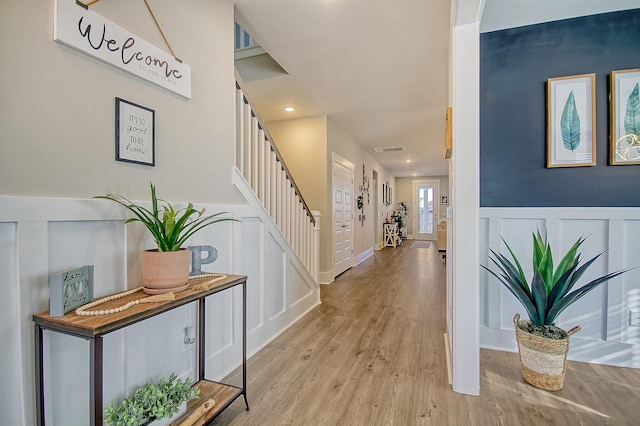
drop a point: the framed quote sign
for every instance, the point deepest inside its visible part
(135, 133)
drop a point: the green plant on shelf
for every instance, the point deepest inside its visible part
(152, 402)
(169, 227)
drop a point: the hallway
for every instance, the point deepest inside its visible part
(373, 354)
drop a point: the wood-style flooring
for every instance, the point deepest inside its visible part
(373, 354)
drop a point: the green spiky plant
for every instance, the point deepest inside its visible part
(170, 228)
(550, 291)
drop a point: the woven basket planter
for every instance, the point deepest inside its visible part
(543, 360)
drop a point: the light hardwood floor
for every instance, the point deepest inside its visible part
(373, 354)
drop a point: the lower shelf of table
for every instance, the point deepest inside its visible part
(223, 395)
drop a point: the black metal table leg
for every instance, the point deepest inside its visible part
(201, 338)
(244, 343)
(95, 381)
(39, 375)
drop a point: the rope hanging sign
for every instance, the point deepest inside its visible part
(76, 26)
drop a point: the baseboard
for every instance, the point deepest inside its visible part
(363, 256)
(275, 335)
(617, 354)
(447, 350)
(258, 348)
(326, 277)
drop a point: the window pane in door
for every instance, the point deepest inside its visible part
(425, 195)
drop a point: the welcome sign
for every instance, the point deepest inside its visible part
(89, 32)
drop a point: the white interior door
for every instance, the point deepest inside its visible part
(426, 205)
(343, 172)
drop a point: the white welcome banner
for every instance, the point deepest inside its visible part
(93, 34)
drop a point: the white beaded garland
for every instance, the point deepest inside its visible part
(83, 310)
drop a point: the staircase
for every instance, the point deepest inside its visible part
(265, 173)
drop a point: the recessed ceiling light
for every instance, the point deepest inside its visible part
(407, 161)
(289, 109)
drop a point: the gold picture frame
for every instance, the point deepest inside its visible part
(624, 145)
(571, 121)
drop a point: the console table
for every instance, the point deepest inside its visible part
(93, 328)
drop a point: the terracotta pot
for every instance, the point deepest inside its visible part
(165, 271)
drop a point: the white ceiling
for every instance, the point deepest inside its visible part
(378, 68)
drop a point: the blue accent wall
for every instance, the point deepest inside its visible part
(514, 67)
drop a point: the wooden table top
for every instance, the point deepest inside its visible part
(95, 326)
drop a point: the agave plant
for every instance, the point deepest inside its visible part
(550, 292)
(170, 228)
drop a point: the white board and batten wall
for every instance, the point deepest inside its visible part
(603, 314)
(39, 236)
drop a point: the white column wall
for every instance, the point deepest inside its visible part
(465, 201)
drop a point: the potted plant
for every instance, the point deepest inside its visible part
(151, 403)
(399, 215)
(543, 347)
(166, 268)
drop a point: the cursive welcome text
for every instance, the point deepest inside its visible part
(99, 40)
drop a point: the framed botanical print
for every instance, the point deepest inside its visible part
(624, 147)
(571, 121)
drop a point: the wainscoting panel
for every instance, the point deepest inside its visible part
(298, 289)
(603, 314)
(10, 360)
(631, 290)
(276, 286)
(39, 236)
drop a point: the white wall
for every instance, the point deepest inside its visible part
(57, 144)
(463, 233)
(57, 109)
(303, 146)
(306, 144)
(606, 337)
(343, 144)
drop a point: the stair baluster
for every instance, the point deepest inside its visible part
(264, 170)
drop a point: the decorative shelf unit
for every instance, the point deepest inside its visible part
(392, 235)
(93, 328)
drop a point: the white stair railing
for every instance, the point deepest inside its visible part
(264, 170)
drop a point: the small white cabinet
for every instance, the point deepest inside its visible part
(392, 235)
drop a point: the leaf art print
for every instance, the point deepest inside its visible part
(624, 113)
(571, 117)
(632, 115)
(570, 124)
